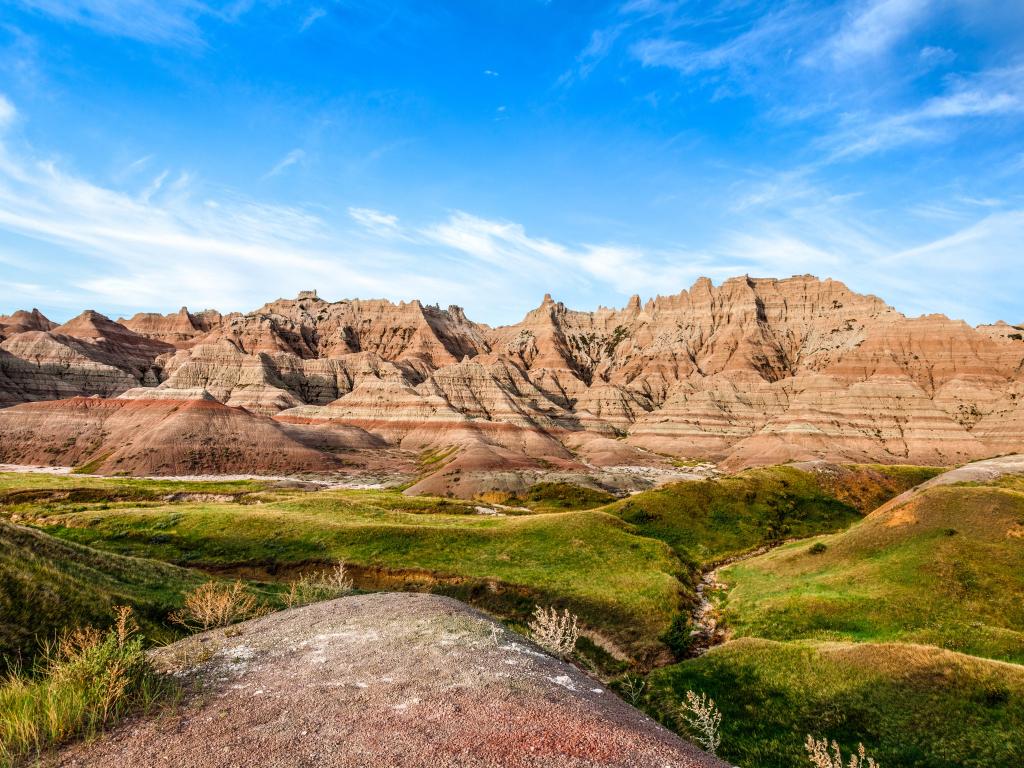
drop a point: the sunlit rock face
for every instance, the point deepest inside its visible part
(752, 371)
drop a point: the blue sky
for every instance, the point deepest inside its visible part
(155, 153)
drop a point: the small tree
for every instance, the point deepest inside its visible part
(702, 720)
(821, 757)
(212, 605)
(556, 633)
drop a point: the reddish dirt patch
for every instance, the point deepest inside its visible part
(384, 680)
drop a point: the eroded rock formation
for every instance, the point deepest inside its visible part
(749, 372)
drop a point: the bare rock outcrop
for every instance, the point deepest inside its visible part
(180, 433)
(383, 680)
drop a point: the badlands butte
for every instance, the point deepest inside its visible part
(751, 372)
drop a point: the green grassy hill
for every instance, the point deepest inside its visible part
(622, 585)
(706, 521)
(47, 585)
(912, 706)
(945, 568)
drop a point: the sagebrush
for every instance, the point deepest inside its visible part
(556, 633)
(703, 720)
(322, 585)
(214, 604)
(819, 753)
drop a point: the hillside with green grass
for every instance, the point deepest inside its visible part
(48, 585)
(944, 568)
(893, 628)
(896, 633)
(706, 521)
(913, 706)
(622, 585)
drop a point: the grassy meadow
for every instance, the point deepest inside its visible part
(892, 628)
(912, 706)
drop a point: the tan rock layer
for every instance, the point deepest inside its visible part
(751, 371)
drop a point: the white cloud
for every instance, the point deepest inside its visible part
(294, 157)
(314, 15)
(154, 186)
(874, 28)
(166, 22)
(7, 112)
(373, 220)
(185, 243)
(990, 93)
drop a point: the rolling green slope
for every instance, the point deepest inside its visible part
(621, 584)
(47, 585)
(912, 706)
(706, 521)
(945, 568)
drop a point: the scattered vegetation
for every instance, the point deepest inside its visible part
(554, 632)
(48, 585)
(632, 687)
(821, 757)
(83, 682)
(709, 520)
(559, 496)
(214, 605)
(879, 581)
(318, 586)
(618, 582)
(919, 706)
(626, 568)
(702, 719)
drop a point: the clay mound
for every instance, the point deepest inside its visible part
(179, 435)
(408, 680)
(179, 329)
(22, 321)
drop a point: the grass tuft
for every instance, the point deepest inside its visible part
(83, 682)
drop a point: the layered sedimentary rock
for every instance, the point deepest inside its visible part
(748, 372)
(153, 432)
(22, 321)
(885, 418)
(178, 329)
(87, 355)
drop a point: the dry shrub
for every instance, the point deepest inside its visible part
(556, 633)
(821, 757)
(703, 720)
(213, 605)
(323, 585)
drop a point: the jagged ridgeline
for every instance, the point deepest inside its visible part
(755, 371)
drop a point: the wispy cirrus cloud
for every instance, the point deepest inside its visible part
(151, 21)
(179, 241)
(315, 14)
(7, 112)
(293, 157)
(160, 22)
(872, 28)
(992, 93)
